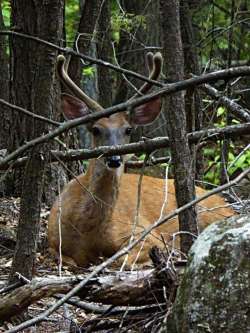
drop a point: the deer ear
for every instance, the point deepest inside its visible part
(146, 113)
(73, 108)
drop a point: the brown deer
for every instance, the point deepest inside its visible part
(97, 210)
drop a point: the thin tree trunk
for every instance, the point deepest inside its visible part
(85, 42)
(144, 36)
(4, 111)
(104, 51)
(176, 120)
(45, 21)
(4, 85)
(193, 101)
(84, 38)
(225, 146)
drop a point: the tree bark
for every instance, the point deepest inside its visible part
(176, 121)
(85, 40)
(193, 101)
(37, 78)
(4, 86)
(86, 29)
(144, 36)
(104, 51)
(4, 94)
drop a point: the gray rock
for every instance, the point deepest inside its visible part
(214, 295)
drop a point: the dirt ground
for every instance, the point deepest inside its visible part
(46, 266)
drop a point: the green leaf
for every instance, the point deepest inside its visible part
(220, 111)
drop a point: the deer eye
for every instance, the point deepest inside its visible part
(128, 130)
(95, 131)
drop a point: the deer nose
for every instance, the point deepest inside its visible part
(114, 161)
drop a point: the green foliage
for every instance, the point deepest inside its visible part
(72, 17)
(127, 22)
(88, 71)
(237, 162)
(6, 12)
(214, 23)
(240, 163)
(142, 157)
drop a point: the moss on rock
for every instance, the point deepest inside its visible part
(214, 295)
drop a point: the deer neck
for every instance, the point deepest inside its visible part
(104, 187)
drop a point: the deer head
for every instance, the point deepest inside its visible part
(116, 129)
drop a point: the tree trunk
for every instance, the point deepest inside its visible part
(24, 68)
(33, 72)
(85, 43)
(144, 36)
(4, 94)
(84, 37)
(176, 121)
(4, 85)
(104, 51)
(193, 101)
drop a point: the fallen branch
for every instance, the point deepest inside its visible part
(107, 309)
(117, 289)
(20, 298)
(121, 253)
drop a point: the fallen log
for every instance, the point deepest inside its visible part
(135, 288)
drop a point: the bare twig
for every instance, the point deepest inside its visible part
(122, 252)
(166, 90)
(137, 212)
(29, 113)
(237, 110)
(80, 55)
(100, 309)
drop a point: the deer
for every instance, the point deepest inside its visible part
(96, 210)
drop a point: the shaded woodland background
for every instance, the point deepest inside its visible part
(214, 35)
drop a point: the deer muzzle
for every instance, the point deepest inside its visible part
(113, 161)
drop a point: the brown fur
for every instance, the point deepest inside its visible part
(97, 220)
(96, 211)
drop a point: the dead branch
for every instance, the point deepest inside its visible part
(137, 164)
(221, 74)
(90, 60)
(146, 146)
(107, 309)
(122, 252)
(166, 90)
(117, 289)
(19, 299)
(233, 107)
(29, 113)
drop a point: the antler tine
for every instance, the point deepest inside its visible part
(150, 61)
(154, 64)
(62, 68)
(67, 62)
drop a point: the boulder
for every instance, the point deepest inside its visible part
(214, 295)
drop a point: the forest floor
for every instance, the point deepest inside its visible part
(45, 266)
(67, 318)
